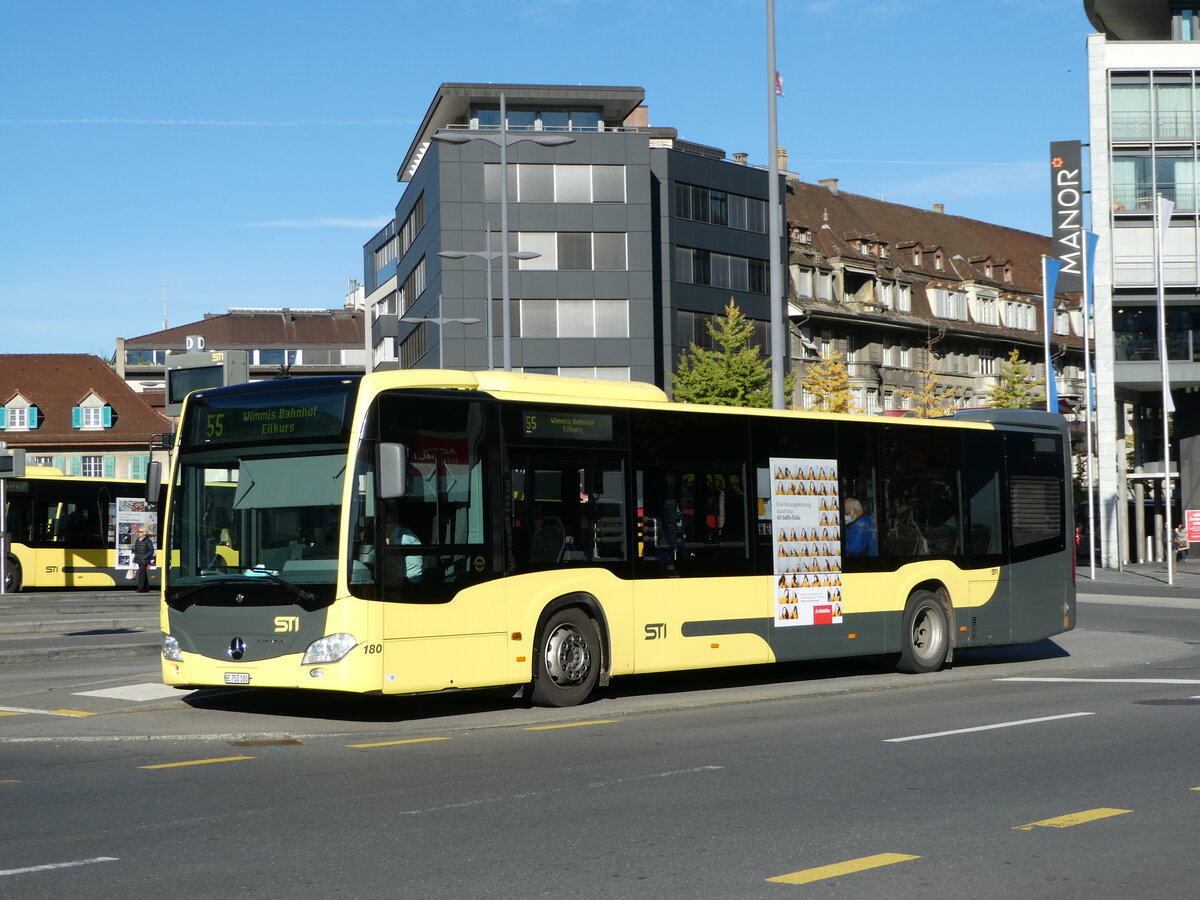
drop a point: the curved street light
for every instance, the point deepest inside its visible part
(440, 321)
(489, 256)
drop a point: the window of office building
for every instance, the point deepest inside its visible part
(574, 318)
(714, 207)
(705, 267)
(530, 183)
(574, 250)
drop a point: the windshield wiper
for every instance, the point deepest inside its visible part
(301, 593)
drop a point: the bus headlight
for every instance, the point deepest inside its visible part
(171, 649)
(329, 649)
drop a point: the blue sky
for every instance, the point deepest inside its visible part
(245, 151)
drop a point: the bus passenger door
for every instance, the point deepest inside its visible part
(695, 602)
(443, 617)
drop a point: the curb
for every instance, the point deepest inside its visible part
(57, 654)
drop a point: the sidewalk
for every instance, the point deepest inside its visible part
(1187, 575)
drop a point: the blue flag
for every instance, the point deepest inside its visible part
(1050, 270)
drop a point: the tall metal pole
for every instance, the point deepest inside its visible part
(1048, 307)
(1087, 375)
(1163, 210)
(505, 301)
(489, 259)
(774, 232)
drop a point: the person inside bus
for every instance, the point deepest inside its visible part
(860, 537)
(402, 536)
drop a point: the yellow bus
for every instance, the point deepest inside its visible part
(72, 532)
(422, 530)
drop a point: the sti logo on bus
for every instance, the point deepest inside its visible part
(656, 631)
(287, 623)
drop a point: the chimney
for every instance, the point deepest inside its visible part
(939, 207)
(831, 184)
(781, 158)
(741, 158)
(639, 118)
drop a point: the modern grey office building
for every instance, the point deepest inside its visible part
(636, 238)
(1144, 90)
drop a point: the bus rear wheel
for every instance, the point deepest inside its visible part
(567, 664)
(12, 577)
(925, 634)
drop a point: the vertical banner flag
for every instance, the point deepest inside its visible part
(1091, 239)
(1050, 273)
(1066, 203)
(1164, 210)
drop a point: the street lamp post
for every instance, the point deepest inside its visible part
(502, 140)
(489, 256)
(440, 322)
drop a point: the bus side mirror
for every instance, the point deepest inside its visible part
(153, 480)
(393, 470)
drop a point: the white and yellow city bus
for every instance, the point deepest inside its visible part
(427, 530)
(73, 532)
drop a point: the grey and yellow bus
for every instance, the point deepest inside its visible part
(425, 530)
(72, 532)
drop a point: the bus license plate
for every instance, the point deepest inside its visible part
(237, 677)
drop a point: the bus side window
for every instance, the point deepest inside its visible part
(921, 495)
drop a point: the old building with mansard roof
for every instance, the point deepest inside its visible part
(906, 293)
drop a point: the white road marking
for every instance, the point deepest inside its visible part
(151, 690)
(936, 734)
(62, 865)
(1106, 680)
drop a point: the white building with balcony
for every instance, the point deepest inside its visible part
(1144, 90)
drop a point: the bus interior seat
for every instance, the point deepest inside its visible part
(548, 541)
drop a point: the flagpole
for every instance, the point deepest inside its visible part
(779, 331)
(1163, 209)
(1087, 375)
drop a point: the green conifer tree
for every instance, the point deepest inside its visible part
(734, 373)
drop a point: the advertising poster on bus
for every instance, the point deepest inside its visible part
(133, 514)
(806, 533)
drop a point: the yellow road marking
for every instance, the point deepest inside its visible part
(9, 781)
(196, 762)
(395, 743)
(22, 711)
(849, 867)
(571, 725)
(1196, 789)
(1079, 818)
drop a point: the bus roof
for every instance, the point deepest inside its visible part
(594, 391)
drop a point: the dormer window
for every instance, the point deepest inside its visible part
(1008, 273)
(939, 261)
(19, 415)
(918, 257)
(92, 414)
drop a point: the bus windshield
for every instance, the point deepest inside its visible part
(252, 514)
(258, 490)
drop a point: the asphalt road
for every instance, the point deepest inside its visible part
(1064, 769)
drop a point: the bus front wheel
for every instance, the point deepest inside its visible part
(925, 635)
(567, 665)
(12, 577)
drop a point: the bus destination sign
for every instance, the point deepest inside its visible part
(216, 419)
(568, 425)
